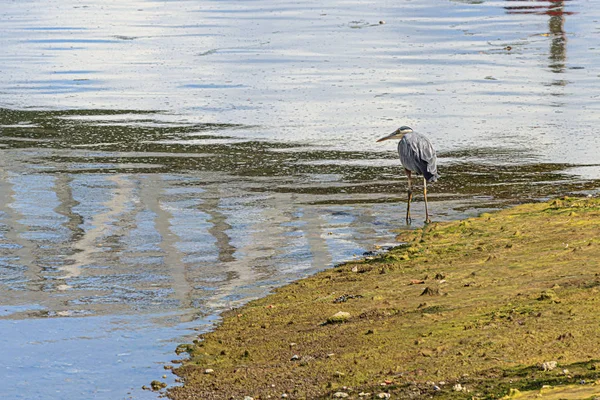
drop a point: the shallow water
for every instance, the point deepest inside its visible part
(163, 161)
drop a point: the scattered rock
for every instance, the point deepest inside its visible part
(548, 295)
(430, 292)
(344, 298)
(364, 394)
(383, 396)
(459, 388)
(354, 269)
(284, 396)
(340, 395)
(427, 353)
(209, 371)
(338, 317)
(157, 385)
(248, 398)
(295, 357)
(436, 388)
(548, 365)
(514, 393)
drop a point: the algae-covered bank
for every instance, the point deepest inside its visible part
(505, 304)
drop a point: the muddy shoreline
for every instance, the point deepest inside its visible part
(502, 304)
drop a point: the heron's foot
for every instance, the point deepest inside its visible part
(408, 220)
(428, 220)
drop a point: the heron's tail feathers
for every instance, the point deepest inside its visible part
(431, 177)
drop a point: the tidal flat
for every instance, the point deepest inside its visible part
(503, 304)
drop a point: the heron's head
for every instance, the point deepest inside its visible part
(397, 134)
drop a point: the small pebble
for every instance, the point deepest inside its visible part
(459, 388)
(295, 357)
(340, 395)
(248, 398)
(548, 365)
(381, 22)
(363, 394)
(436, 388)
(340, 316)
(284, 396)
(157, 385)
(383, 396)
(209, 371)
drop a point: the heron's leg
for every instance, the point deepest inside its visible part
(427, 219)
(408, 174)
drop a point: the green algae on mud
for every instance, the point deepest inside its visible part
(481, 303)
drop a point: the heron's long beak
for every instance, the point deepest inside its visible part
(388, 137)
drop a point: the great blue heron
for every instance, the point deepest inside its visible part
(416, 155)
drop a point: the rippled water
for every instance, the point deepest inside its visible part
(163, 161)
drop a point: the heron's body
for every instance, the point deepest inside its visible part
(416, 155)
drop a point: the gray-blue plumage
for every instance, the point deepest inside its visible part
(418, 155)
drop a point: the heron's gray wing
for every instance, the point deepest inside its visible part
(417, 154)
